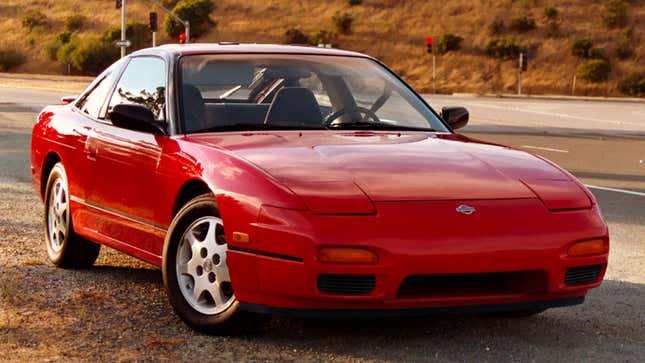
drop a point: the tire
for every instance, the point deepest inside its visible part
(202, 293)
(64, 248)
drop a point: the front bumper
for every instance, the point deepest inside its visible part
(278, 270)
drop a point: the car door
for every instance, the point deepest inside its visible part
(85, 114)
(126, 179)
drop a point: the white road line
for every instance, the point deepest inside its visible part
(616, 190)
(544, 148)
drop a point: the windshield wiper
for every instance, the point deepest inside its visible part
(367, 125)
(258, 127)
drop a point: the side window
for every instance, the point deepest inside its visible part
(143, 83)
(92, 102)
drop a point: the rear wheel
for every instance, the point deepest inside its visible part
(64, 248)
(195, 271)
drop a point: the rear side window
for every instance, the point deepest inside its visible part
(144, 83)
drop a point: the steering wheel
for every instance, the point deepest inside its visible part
(368, 115)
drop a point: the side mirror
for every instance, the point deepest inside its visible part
(135, 117)
(456, 117)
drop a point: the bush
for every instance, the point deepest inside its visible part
(51, 48)
(75, 22)
(137, 33)
(34, 19)
(197, 12)
(496, 27)
(551, 13)
(504, 48)
(448, 43)
(296, 36)
(634, 85)
(615, 13)
(553, 30)
(343, 22)
(581, 47)
(624, 49)
(324, 37)
(523, 24)
(354, 2)
(10, 58)
(91, 55)
(597, 53)
(595, 70)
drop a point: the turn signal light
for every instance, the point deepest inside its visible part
(585, 248)
(240, 237)
(346, 255)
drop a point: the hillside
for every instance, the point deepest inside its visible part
(391, 30)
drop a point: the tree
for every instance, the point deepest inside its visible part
(197, 12)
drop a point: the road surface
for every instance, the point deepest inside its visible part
(118, 311)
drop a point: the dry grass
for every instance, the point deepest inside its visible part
(388, 29)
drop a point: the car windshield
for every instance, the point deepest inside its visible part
(300, 92)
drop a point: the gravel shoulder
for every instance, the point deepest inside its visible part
(118, 311)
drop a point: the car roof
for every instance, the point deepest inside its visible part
(240, 48)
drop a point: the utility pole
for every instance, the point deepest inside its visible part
(123, 28)
(522, 66)
(434, 73)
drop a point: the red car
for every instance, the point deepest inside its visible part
(305, 181)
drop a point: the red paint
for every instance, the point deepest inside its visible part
(294, 192)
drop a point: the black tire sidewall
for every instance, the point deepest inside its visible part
(199, 207)
(57, 257)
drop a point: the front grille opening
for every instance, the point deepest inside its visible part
(582, 275)
(465, 285)
(346, 284)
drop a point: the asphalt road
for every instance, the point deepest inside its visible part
(118, 311)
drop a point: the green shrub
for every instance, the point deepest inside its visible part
(197, 12)
(354, 2)
(324, 37)
(10, 58)
(343, 22)
(597, 53)
(615, 13)
(551, 13)
(169, 3)
(581, 47)
(75, 22)
(51, 48)
(624, 46)
(504, 47)
(296, 36)
(449, 42)
(522, 24)
(634, 85)
(64, 54)
(624, 49)
(137, 33)
(33, 19)
(553, 30)
(594, 70)
(496, 27)
(91, 55)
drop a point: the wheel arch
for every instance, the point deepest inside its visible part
(50, 160)
(189, 190)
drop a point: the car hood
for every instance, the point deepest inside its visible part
(327, 166)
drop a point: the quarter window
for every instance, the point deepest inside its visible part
(143, 83)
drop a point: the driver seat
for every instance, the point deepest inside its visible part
(294, 106)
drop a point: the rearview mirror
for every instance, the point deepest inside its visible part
(456, 117)
(135, 117)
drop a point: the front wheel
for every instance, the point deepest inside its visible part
(195, 272)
